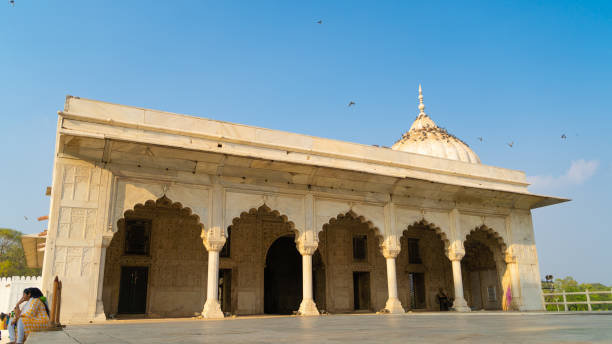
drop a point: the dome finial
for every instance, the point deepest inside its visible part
(421, 105)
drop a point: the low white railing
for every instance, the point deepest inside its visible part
(588, 301)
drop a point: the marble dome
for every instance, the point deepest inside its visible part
(426, 138)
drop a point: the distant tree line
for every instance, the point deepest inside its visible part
(569, 284)
(12, 256)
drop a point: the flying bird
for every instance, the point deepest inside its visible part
(510, 144)
(480, 138)
(320, 22)
(563, 136)
(12, 3)
(351, 103)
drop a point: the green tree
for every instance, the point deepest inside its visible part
(570, 285)
(12, 257)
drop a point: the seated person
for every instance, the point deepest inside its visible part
(2, 323)
(33, 317)
(443, 300)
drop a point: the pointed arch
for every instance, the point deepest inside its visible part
(162, 203)
(484, 261)
(361, 219)
(491, 233)
(432, 226)
(424, 265)
(265, 210)
(129, 192)
(173, 256)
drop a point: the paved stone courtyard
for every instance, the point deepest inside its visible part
(410, 328)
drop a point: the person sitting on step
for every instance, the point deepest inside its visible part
(33, 317)
(443, 300)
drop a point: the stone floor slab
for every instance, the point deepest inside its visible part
(408, 328)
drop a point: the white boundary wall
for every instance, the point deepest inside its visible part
(11, 290)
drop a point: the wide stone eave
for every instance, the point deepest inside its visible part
(106, 121)
(34, 249)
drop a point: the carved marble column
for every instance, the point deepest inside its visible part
(308, 306)
(100, 315)
(455, 256)
(212, 308)
(214, 239)
(393, 305)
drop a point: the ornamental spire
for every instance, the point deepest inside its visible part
(421, 105)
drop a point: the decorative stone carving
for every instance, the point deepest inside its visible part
(307, 249)
(212, 241)
(456, 252)
(391, 247)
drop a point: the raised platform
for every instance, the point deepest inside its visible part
(474, 327)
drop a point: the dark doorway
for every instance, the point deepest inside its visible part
(361, 290)
(283, 277)
(417, 290)
(133, 290)
(318, 280)
(225, 290)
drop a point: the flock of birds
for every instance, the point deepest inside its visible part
(480, 138)
(351, 103)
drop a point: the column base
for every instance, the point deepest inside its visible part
(461, 306)
(394, 306)
(212, 310)
(308, 308)
(100, 315)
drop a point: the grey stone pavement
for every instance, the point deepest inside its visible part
(475, 327)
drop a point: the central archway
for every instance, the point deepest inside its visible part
(353, 269)
(423, 269)
(483, 268)
(282, 277)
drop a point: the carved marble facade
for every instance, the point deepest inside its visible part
(203, 183)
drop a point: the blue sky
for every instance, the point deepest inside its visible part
(521, 71)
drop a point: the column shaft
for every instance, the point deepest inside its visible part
(212, 309)
(100, 315)
(212, 291)
(308, 306)
(391, 278)
(393, 304)
(459, 305)
(307, 277)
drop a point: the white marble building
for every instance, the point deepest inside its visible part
(165, 215)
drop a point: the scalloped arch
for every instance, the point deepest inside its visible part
(165, 203)
(361, 219)
(439, 232)
(494, 234)
(264, 209)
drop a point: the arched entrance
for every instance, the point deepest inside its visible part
(353, 265)
(260, 243)
(154, 263)
(483, 268)
(282, 277)
(423, 268)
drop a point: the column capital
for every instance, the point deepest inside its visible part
(307, 249)
(456, 251)
(391, 247)
(390, 252)
(212, 242)
(107, 237)
(456, 254)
